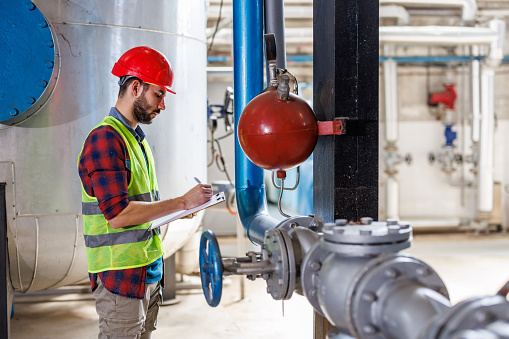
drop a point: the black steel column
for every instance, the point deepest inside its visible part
(345, 73)
(345, 84)
(5, 312)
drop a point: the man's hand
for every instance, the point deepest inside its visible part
(139, 212)
(196, 196)
(190, 216)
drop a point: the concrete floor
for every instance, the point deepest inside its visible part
(469, 265)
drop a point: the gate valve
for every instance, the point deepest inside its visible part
(211, 268)
(447, 97)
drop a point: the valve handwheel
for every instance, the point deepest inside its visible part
(211, 268)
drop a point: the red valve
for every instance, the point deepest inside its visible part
(275, 134)
(447, 97)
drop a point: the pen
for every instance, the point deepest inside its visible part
(197, 180)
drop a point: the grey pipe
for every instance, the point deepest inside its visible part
(275, 23)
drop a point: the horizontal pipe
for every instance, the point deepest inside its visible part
(469, 7)
(394, 11)
(436, 35)
(402, 35)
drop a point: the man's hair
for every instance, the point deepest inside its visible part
(124, 83)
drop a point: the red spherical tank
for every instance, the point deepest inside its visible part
(275, 134)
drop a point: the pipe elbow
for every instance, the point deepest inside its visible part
(254, 214)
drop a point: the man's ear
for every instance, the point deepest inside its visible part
(136, 88)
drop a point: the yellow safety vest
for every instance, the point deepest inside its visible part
(127, 247)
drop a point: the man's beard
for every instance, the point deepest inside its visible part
(142, 111)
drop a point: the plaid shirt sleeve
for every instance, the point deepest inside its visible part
(103, 171)
(104, 175)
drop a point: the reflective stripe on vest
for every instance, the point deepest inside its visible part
(126, 237)
(92, 208)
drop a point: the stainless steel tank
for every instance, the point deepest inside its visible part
(38, 157)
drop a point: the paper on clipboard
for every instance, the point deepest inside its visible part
(216, 199)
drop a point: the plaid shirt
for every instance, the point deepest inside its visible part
(104, 175)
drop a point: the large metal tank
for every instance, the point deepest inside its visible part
(38, 157)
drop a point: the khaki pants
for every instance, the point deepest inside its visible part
(121, 317)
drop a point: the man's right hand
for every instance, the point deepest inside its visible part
(196, 196)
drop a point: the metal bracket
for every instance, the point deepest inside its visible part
(334, 127)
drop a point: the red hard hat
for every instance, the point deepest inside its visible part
(147, 64)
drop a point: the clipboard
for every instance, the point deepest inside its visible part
(216, 199)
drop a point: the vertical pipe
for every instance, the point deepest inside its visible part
(487, 129)
(391, 95)
(248, 82)
(391, 128)
(392, 197)
(475, 70)
(275, 23)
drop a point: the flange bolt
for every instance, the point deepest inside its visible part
(366, 220)
(392, 221)
(341, 222)
(422, 271)
(369, 329)
(391, 273)
(481, 316)
(369, 297)
(315, 265)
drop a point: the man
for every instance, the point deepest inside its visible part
(120, 198)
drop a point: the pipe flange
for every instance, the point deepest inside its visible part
(281, 282)
(368, 237)
(312, 222)
(363, 318)
(468, 317)
(310, 271)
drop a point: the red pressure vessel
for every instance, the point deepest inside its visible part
(277, 135)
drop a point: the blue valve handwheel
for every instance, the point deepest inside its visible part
(211, 268)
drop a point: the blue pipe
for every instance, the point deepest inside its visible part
(431, 59)
(248, 83)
